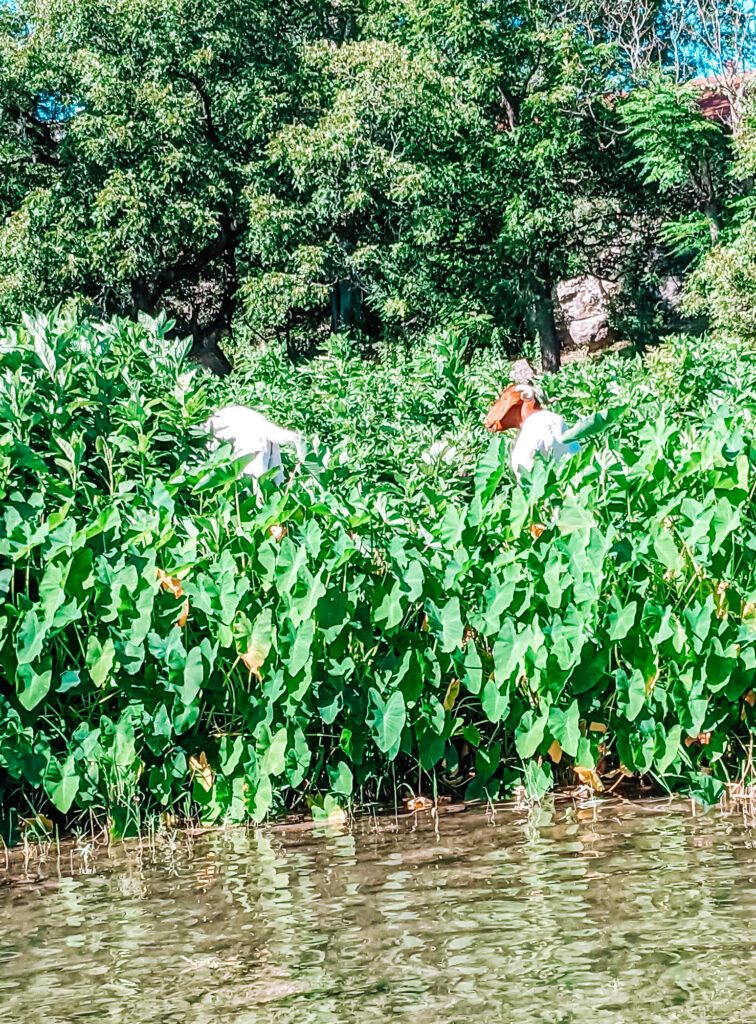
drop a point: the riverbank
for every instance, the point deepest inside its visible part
(42, 855)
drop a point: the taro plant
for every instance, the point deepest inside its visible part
(172, 642)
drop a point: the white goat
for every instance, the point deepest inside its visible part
(252, 434)
(518, 408)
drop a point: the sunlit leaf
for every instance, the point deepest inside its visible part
(452, 692)
(387, 720)
(201, 771)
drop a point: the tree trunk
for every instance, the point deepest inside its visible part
(713, 213)
(346, 306)
(543, 303)
(207, 352)
(709, 203)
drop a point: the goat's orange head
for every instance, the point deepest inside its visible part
(512, 408)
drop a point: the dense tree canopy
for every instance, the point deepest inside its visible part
(373, 164)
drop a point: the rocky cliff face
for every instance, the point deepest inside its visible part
(582, 312)
(583, 309)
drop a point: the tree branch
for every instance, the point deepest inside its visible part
(207, 113)
(190, 268)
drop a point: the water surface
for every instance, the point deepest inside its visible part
(621, 914)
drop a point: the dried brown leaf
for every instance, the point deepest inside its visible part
(703, 739)
(452, 692)
(589, 777)
(254, 659)
(337, 817)
(170, 583)
(202, 771)
(412, 804)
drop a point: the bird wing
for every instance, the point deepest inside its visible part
(249, 429)
(541, 432)
(252, 434)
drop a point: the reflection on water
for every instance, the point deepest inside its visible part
(638, 914)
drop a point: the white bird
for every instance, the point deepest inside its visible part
(518, 408)
(252, 434)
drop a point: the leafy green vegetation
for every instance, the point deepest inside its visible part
(171, 642)
(365, 164)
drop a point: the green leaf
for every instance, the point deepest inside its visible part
(473, 673)
(573, 517)
(726, 518)
(62, 784)
(30, 638)
(529, 733)
(622, 621)
(706, 789)
(565, 727)
(45, 354)
(390, 608)
(194, 675)
(124, 746)
(699, 616)
(666, 550)
(35, 685)
(387, 721)
(584, 756)
(341, 779)
(594, 424)
(229, 753)
(259, 643)
(538, 780)
(472, 735)
(99, 659)
(491, 468)
(328, 712)
(158, 729)
(495, 703)
(667, 751)
(69, 681)
(447, 621)
(631, 693)
(299, 759)
(451, 527)
(51, 590)
(263, 798)
(185, 719)
(299, 652)
(431, 749)
(274, 758)
(487, 760)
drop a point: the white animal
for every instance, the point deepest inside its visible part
(518, 408)
(252, 434)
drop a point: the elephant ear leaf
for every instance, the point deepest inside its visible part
(387, 721)
(594, 424)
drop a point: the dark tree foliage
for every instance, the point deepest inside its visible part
(363, 164)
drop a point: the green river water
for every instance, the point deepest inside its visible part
(623, 913)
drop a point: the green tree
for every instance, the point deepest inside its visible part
(539, 196)
(397, 165)
(680, 149)
(351, 209)
(131, 133)
(723, 284)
